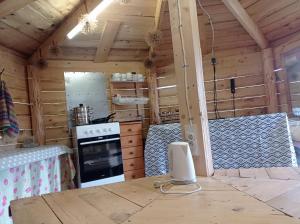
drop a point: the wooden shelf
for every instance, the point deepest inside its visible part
(115, 82)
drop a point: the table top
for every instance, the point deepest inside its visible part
(231, 196)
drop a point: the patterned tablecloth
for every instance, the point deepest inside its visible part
(243, 142)
(31, 172)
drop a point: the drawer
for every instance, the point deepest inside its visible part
(133, 164)
(131, 141)
(132, 152)
(131, 129)
(134, 174)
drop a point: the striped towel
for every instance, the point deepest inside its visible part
(8, 120)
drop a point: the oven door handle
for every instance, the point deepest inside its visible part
(99, 141)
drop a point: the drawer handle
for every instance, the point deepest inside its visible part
(130, 141)
(131, 153)
(131, 164)
(129, 129)
(133, 176)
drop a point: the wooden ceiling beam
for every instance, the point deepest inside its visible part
(107, 40)
(64, 28)
(247, 22)
(9, 6)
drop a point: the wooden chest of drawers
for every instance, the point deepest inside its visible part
(132, 150)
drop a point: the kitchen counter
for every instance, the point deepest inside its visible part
(225, 198)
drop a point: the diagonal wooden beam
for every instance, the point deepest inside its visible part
(66, 26)
(160, 8)
(247, 22)
(9, 6)
(107, 40)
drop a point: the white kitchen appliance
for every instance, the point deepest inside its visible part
(99, 154)
(181, 165)
(181, 168)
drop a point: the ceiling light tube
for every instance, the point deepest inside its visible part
(92, 16)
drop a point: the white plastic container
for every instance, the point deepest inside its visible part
(181, 165)
(295, 129)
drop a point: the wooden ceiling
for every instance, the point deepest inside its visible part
(25, 29)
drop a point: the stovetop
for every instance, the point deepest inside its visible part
(95, 130)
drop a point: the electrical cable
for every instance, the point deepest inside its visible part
(213, 60)
(184, 63)
(233, 91)
(233, 103)
(162, 184)
(212, 29)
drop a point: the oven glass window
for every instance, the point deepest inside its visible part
(100, 160)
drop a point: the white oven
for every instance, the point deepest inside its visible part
(99, 155)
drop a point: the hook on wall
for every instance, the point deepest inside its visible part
(1, 73)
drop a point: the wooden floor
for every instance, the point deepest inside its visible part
(277, 187)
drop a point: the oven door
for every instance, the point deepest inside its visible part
(99, 158)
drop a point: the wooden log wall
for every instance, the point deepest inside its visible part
(243, 64)
(238, 57)
(288, 88)
(15, 77)
(53, 96)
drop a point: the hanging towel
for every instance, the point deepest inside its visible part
(8, 120)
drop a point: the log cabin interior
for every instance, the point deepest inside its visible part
(149, 111)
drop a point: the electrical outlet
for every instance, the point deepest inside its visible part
(190, 136)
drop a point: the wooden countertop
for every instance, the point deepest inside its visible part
(228, 197)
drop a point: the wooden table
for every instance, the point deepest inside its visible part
(233, 196)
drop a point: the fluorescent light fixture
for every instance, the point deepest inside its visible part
(92, 16)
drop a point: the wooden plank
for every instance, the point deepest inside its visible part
(270, 79)
(262, 189)
(107, 39)
(193, 112)
(71, 209)
(32, 211)
(36, 107)
(140, 192)
(118, 209)
(283, 173)
(88, 66)
(289, 202)
(209, 206)
(220, 172)
(233, 173)
(246, 21)
(258, 173)
(9, 6)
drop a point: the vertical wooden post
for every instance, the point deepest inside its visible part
(153, 96)
(193, 82)
(270, 80)
(36, 107)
